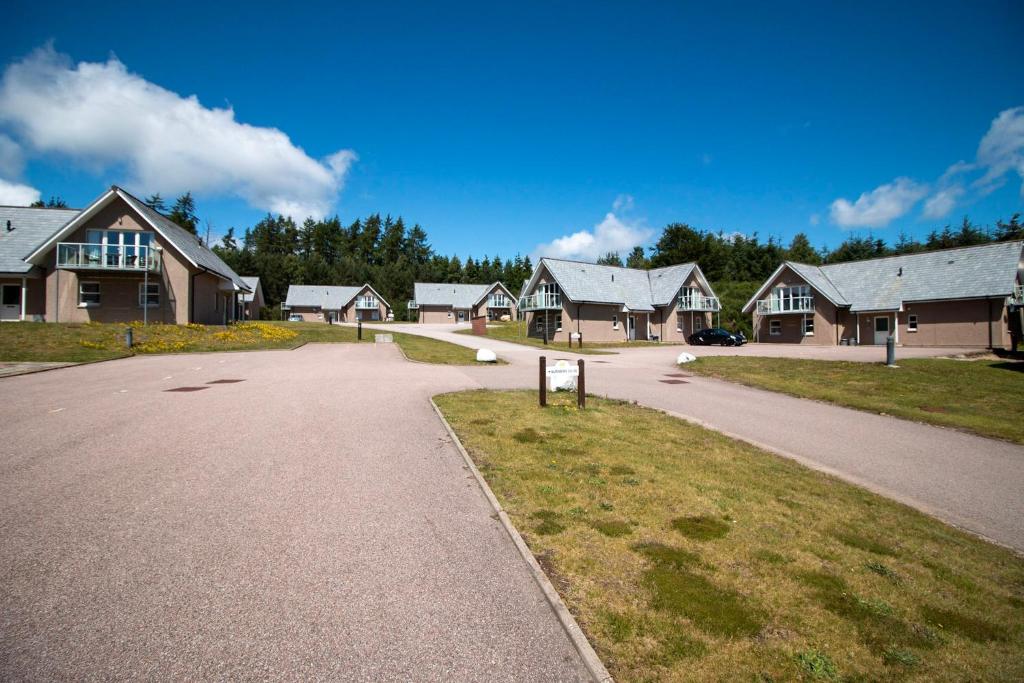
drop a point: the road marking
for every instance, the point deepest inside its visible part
(56, 410)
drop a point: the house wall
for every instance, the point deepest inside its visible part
(252, 308)
(211, 305)
(310, 314)
(481, 308)
(351, 314)
(975, 322)
(435, 314)
(673, 325)
(35, 295)
(828, 320)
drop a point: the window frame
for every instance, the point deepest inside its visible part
(805, 323)
(99, 294)
(615, 322)
(144, 298)
(775, 328)
(912, 322)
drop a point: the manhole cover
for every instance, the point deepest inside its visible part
(673, 381)
(187, 389)
(226, 381)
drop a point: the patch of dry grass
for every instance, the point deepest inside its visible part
(729, 563)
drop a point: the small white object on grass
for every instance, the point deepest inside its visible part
(685, 357)
(486, 356)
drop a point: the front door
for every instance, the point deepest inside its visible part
(631, 327)
(462, 316)
(881, 329)
(10, 309)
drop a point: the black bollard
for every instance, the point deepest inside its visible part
(128, 340)
(890, 351)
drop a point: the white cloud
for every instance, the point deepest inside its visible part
(611, 234)
(12, 161)
(16, 194)
(624, 202)
(1001, 151)
(103, 116)
(879, 207)
(942, 202)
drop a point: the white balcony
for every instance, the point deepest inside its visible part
(94, 256)
(795, 304)
(366, 303)
(698, 302)
(540, 302)
(412, 304)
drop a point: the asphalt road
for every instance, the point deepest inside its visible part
(311, 522)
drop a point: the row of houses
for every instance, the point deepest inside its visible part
(969, 296)
(119, 260)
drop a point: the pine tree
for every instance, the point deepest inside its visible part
(637, 258)
(801, 251)
(612, 258)
(184, 213)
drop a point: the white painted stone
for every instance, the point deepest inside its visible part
(486, 356)
(685, 357)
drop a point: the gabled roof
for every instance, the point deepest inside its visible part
(326, 297)
(632, 288)
(453, 295)
(182, 240)
(253, 283)
(30, 227)
(884, 284)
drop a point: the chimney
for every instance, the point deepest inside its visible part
(9, 226)
(900, 274)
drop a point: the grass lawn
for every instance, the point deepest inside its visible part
(515, 332)
(97, 341)
(686, 555)
(986, 397)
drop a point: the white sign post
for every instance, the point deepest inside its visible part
(562, 376)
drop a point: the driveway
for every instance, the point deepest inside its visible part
(966, 480)
(311, 522)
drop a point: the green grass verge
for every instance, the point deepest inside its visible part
(515, 332)
(981, 396)
(60, 342)
(686, 555)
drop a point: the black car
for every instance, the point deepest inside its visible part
(716, 335)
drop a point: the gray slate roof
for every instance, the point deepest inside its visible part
(327, 297)
(32, 227)
(453, 295)
(253, 283)
(984, 271)
(633, 288)
(184, 241)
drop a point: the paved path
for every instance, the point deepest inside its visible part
(310, 523)
(966, 480)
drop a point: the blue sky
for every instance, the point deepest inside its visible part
(578, 127)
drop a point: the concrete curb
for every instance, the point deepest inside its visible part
(590, 659)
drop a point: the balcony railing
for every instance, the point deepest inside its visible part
(698, 302)
(412, 304)
(1018, 295)
(499, 302)
(92, 256)
(539, 302)
(366, 303)
(796, 304)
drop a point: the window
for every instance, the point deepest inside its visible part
(679, 324)
(809, 327)
(775, 328)
(615, 322)
(558, 323)
(88, 294)
(912, 323)
(797, 298)
(698, 325)
(149, 295)
(540, 323)
(449, 314)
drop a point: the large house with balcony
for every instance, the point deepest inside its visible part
(435, 302)
(969, 296)
(331, 304)
(117, 260)
(608, 303)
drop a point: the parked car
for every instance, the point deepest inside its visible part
(716, 335)
(295, 318)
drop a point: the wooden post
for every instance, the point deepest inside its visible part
(581, 387)
(359, 330)
(543, 388)
(581, 340)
